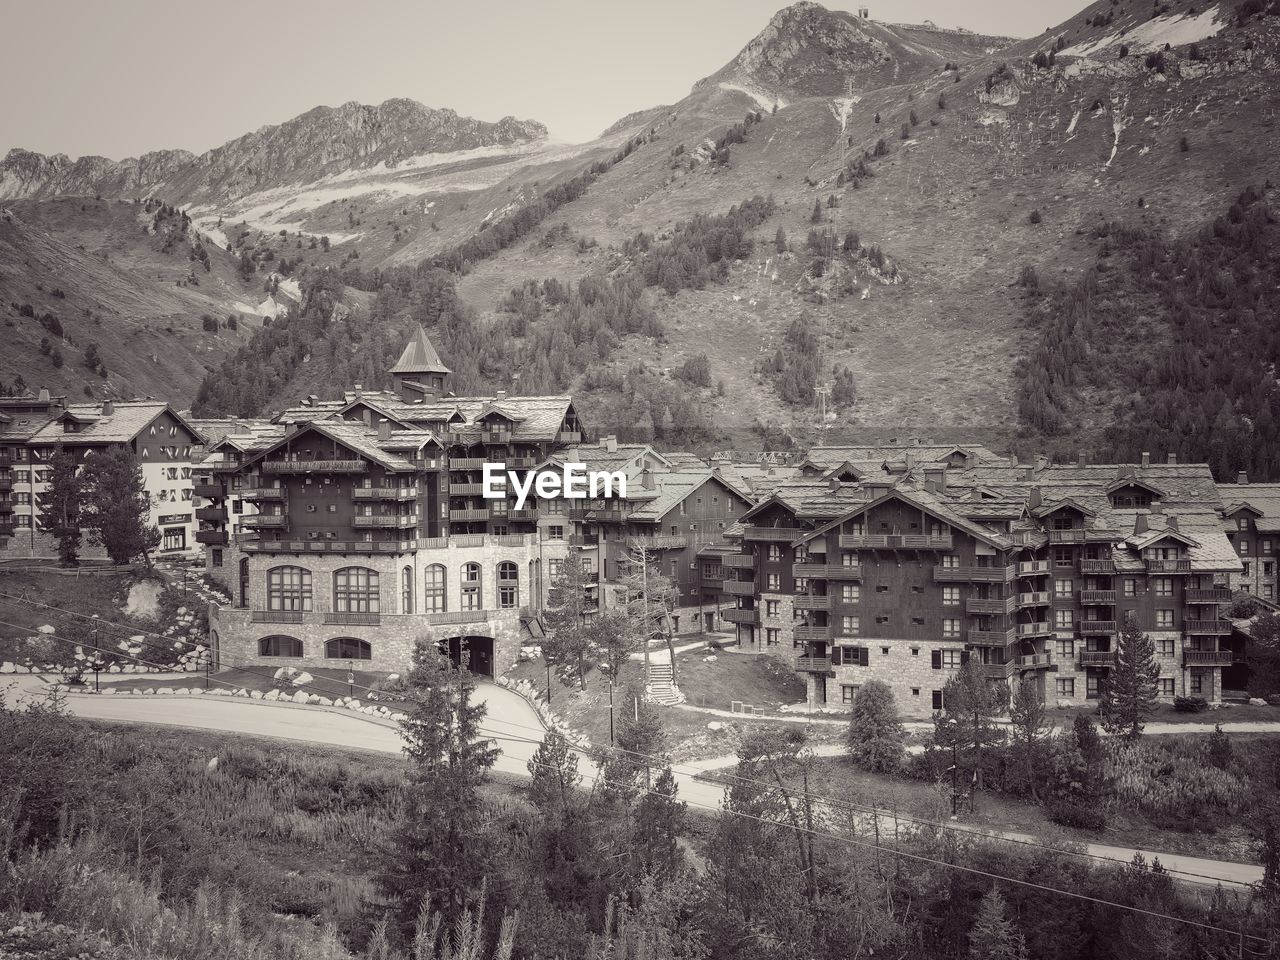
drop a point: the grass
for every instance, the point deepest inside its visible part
(1232, 713)
(88, 594)
(756, 679)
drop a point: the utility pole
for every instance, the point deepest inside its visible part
(644, 586)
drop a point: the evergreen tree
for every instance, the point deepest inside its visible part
(970, 705)
(553, 772)
(876, 735)
(117, 507)
(816, 216)
(61, 513)
(1030, 728)
(659, 818)
(1129, 696)
(993, 936)
(439, 851)
(649, 599)
(780, 241)
(565, 616)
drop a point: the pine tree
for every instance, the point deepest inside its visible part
(993, 936)
(565, 616)
(62, 506)
(1129, 696)
(780, 241)
(439, 851)
(1030, 728)
(876, 735)
(117, 506)
(650, 598)
(816, 216)
(553, 772)
(970, 705)
(659, 818)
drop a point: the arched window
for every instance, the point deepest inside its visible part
(433, 589)
(508, 585)
(288, 588)
(472, 592)
(406, 590)
(355, 590)
(279, 647)
(348, 648)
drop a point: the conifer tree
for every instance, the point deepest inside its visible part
(659, 818)
(62, 506)
(565, 616)
(993, 936)
(876, 735)
(117, 507)
(1129, 696)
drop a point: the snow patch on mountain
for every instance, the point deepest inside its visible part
(1176, 31)
(763, 98)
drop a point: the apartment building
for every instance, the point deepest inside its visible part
(884, 566)
(32, 430)
(1251, 519)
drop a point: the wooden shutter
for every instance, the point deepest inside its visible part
(937, 659)
(864, 657)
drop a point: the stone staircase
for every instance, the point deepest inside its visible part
(659, 685)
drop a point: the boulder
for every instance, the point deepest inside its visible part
(164, 692)
(147, 691)
(108, 691)
(181, 692)
(1253, 701)
(255, 694)
(46, 629)
(324, 701)
(300, 696)
(715, 726)
(7, 667)
(302, 679)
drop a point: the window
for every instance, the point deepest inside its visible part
(1066, 647)
(1162, 586)
(1092, 686)
(355, 590)
(1166, 687)
(950, 562)
(1066, 686)
(1164, 619)
(279, 647)
(553, 569)
(508, 585)
(175, 538)
(1266, 545)
(288, 588)
(1062, 588)
(771, 635)
(1063, 619)
(1246, 573)
(847, 690)
(1166, 647)
(1062, 557)
(851, 656)
(555, 532)
(950, 628)
(884, 651)
(850, 593)
(406, 590)
(882, 619)
(215, 556)
(1129, 587)
(433, 589)
(771, 608)
(849, 558)
(1197, 681)
(850, 626)
(950, 659)
(348, 648)
(1268, 592)
(951, 595)
(1242, 523)
(917, 621)
(472, 591)
(937, 699)
(775, 553)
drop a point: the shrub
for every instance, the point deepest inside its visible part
(1076, 815)
(1190, 704)
(1174, 781)
(1035, 216)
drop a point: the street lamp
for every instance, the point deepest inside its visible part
(96, 664)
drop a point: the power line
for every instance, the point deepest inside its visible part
(651, 760)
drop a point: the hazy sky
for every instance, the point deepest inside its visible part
(121, 77)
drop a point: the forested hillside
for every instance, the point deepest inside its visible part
(1166, 345)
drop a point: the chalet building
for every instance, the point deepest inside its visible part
(164, 443)
(1251, 517)
(887, 567)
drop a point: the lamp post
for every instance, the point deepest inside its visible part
(96, 665)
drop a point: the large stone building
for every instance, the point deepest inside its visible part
(902, 563)
(32, 430)
(1251, 514)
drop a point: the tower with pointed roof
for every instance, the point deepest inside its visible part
(420, 374)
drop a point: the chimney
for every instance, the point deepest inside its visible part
(1171, 523)
(646, 480)
(935, 479)
(108, 408)
(1242, 477)
(384, 429)
(1034, 499)
(1140, 523)
(44, 394)
(1146, 458)
(833, 484)
(610, 443)
(357, 388)
(502, 394)
(1173, 459)
(1080, 460)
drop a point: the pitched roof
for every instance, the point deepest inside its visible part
(419, 356)
(672, 488)
(127, 419)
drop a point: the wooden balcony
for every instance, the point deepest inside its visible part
(1033, 568)
(385, 521)
(827, 571)
(466, 489)
(1036, 661)
(1093, 628)
(805, 632)
(1066, 536)
(1039, 628)
(214, 538)
(526, 515)
(210, 491)
(273, 520)
(895, 541)
(492, 436)
(1217, 628)
(814, 665)
(739, 561)
(276, 616)
(1039, 598)
(1098, 597)
(1206, 658)
(468, 515)
(1209, 595)
(774, 534)
(1168, 566)
(1097, 658)
(740, 616)
(427, 463)
(569, 436)
(250, 544)
(738, 588)
(461, 616)
(973, 574)
(997, 671)
(668, 542)
(805, 601)
(1107, 566)
(314, 466)
(980, 606)
(467, 463)
(261, 493)
(584, 540)
(396, 494)
(353, 619)
(211, 514)
(990, 638)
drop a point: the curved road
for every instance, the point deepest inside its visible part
(515, 727)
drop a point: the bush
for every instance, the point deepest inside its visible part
(1035, 216)
(1190, 704)
(1077, 815)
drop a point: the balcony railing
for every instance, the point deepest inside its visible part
(806, 632)
(997, 671)
(1039, 598)
(1066, 536)
(495, 436)
(813, 664)
(582, 540)
(385, 521)
(1097, 566)
(895, 541)
(569, 436)
(811, 602)
(1218, 628)
(1098, 597)
(467, 463)
(461, 616)
(1169, 566)
(981, 605)
(523, 516)
(353, 619)
(424, 463)
(740, 616)
(253, 545)
(274, 520)
(384, 493)
(466, 489)
(276, 616)
(1207, 658)
(738, 588)
(314, 466)
(468, 516)
(209, 491)
(739, 561)
(991, 638)
(780, 534)
(1208, 595)
(261, 493)
(214, 538)
(1040, 628)
(1036, 661)
(1033, 568)
(1091, 628)
(211, 514)
(827, 571)
(1097, 658)
(973, 574)
(665, 542)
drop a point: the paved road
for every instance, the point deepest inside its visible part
(516, 729)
